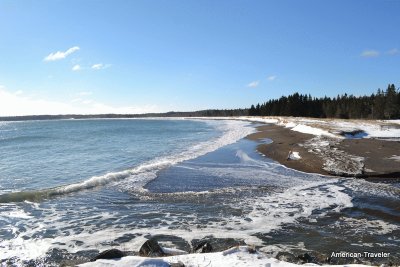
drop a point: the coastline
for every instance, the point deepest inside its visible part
(224, 165)
(377, 155)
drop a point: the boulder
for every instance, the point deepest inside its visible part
(109, 254)
(177, 264)
(203, 247)
(307, 258)
(151, 248)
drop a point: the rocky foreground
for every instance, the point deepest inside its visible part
(152, 254)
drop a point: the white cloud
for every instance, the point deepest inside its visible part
(84, 93)
(61, 55)
(100, 66)
(393, 52)
(253, 84)
(271, 78)
(76, 67)
(18, 104)
(370, 53)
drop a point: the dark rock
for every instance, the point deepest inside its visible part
(176, 241)
(328, 259)
(286, 256)
(203, 247)
(306, 258)
(151, 248)
(177, 264)
(357, 261)
(252, 250)
(109, 254)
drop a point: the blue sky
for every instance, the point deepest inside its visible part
(154, 56)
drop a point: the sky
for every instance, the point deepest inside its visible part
(97, 56)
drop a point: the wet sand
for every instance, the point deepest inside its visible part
(377, 153)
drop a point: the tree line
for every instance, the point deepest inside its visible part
(200, 113)
(381, 105)
(384, 104)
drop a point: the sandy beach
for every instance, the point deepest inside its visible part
(380, 158)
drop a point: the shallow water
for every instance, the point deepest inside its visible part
(96, 184)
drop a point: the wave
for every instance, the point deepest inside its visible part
(232, 131)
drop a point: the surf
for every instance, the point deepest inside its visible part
(139, 176)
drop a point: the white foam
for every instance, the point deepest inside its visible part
(20, 214)
(354, 226)
(292, 204)
(260, 215)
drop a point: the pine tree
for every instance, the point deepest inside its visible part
(391, 107)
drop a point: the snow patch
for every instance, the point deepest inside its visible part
(294, 156)
(312, 130)
(395, 157)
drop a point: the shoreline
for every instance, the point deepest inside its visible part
(376, 154)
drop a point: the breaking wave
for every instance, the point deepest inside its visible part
(232, 131)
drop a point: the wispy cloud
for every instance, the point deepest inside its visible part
(370, 53)
(60, 54)
(393, 52)
(271, 78)
(18, 104)
(253, 84)
(100, 66)
(84, 93)
(76, 67)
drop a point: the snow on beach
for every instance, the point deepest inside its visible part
(237, 256)
(381, 129)
(328, 134)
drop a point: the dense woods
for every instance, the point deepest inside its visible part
(382, 105)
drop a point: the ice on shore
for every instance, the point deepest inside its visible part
(336, 161)
(311, 130)
(237, 256)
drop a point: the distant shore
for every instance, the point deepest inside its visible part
(376, 153)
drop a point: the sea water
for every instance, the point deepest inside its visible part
(71, 188)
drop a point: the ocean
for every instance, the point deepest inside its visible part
(71, 188)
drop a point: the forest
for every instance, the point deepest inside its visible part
(384, 104)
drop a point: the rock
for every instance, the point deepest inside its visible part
(286, 256)
(177, 264)
(306, 258)
(151, 248)
(251, 250)
(203, 247)
(109, 254)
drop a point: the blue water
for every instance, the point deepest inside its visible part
(71, 188)
(42, 154)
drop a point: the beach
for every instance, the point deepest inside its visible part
(356, 157)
